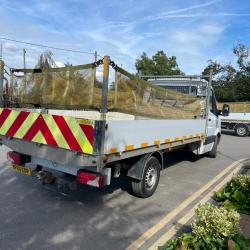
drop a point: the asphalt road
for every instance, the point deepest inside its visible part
(33, 216)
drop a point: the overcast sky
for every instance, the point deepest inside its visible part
(193, 30)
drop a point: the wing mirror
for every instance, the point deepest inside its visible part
(225, 110)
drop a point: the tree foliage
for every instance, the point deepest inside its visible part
(159, 64)
(232, 83)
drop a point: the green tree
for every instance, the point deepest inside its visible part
(159, 64)
(242, 53)
(232, 83)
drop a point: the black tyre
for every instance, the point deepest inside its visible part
(147, 186)
(213, 152)
(241, 130)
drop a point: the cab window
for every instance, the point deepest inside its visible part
(212, 103)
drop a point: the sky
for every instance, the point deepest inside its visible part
(192, 30)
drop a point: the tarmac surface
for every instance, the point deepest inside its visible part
(35, 216)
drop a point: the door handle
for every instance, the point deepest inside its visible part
(209, 119)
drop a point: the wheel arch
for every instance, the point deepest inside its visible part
(242, 123)
(159, 156)
(137, 168)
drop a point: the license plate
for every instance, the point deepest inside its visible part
(22, 170)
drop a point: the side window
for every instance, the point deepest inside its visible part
(212, 103)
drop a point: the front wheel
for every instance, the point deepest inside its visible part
(146, 187)
(213, 152)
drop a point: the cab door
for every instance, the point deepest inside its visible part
(212, 119)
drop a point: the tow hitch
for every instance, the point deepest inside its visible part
(46, 177)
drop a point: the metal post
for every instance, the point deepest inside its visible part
(1, 81)
(103, 111)
(92, 83)
(105, 87)
(11, 85)
(207, 98)
(24, 87)
(67, 89)
(117, 81)
(24, 58)
(95, 56)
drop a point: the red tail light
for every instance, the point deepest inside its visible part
(91, 179)
(14, 157)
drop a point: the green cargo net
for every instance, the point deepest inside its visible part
(73, 87)
(132, 95)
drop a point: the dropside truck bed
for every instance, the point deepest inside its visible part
(69, 144)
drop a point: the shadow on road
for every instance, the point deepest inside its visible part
(39, 217)
(228, 132)
(34, 216)
(173, 158)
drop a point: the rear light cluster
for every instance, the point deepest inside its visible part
(91, 179)
(14, 157)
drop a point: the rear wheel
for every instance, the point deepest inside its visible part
(241, 130)
(147, 186)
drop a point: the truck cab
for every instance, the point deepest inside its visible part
(197, 86)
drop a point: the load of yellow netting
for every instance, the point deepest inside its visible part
(131, 94)
(67, 87)
(77, 87)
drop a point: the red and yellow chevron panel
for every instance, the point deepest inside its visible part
(54, 130)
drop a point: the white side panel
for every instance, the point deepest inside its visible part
(122, 133)
(236, 116)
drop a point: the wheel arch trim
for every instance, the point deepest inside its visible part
(137, 169)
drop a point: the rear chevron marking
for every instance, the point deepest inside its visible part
(17, 123)
(8, 122)
(25, 126)
(39, 138)
(4, 115)
(78, 134)
(67, 133)
(58, 136)
(40, 125)
(54, 130)
(89, 132)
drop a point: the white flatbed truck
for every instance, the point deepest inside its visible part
(238, 122)
(93, 147)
